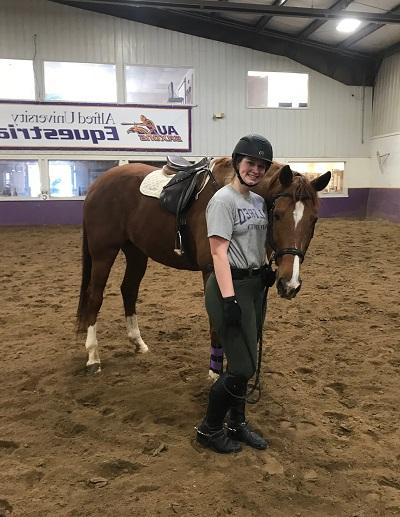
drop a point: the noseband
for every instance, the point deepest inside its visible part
(270, 232)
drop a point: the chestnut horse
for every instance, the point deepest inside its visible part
(118, 217)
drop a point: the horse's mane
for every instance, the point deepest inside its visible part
(224, 164)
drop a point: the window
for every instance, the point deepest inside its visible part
(71, 178)
(17, 79)
(80, 82)
(277, 90)
(314, 169)
(19, 178)
(158, 85)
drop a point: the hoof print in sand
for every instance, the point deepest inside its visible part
(5, 508)
(115, 468)
(68, 429)
(8, 446)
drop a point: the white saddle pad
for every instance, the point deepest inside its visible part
(154, 182)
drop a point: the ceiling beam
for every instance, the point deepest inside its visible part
(263, 21)
(346, 66)
(270, 33)
(316, 24)
(211, 6)
(364, 31)
(390, 51)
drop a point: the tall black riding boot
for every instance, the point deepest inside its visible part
(211, 432)
(238, 428)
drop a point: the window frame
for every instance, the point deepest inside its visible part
(22, 99)
(343, 193)
(290, 108)
(115, 65)
(188, 68)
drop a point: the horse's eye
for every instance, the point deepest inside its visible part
(277, 216)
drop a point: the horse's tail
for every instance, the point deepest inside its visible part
(81, 316)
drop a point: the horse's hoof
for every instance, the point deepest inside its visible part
(213, 376)
(92, 369)
(142, 348)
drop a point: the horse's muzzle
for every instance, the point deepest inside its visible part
(285, 290)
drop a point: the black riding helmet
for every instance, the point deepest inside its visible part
(255, 146)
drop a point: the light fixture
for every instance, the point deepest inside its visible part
(348, 25)
(217, 116)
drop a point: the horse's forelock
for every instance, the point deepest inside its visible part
(304, 188)
(301, 186)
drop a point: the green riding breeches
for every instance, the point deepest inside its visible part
(239, 343)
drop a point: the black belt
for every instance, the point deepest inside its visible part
(238, 274)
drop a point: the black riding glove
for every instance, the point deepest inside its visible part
(269, 276)
(232, 312)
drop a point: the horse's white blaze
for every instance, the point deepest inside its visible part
(298, 213)
(134, 334)
(92, 346)
(294, 281)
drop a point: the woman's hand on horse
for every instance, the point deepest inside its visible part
(232, 312)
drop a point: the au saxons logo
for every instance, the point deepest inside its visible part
(148, 131)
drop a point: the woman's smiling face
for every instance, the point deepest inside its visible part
(252, 170)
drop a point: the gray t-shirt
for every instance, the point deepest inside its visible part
(242, 220)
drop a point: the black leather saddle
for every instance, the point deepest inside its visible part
(179, 192)
(179, 163)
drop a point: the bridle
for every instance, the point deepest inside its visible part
(270, 232)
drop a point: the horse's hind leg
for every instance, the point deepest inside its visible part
(136, 263)
(101, 266)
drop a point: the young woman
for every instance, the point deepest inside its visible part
(237, 227)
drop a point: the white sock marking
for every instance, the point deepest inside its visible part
(92, 346)
(134, 334)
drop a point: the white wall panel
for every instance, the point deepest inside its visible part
(385, 155)
(386, 117)
(334, 125)
(385, 161)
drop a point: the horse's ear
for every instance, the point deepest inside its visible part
(322, 181)
(286, 176)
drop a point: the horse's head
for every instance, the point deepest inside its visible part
(292, 213)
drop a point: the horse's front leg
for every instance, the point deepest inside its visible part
(216, 352)
(136, 263)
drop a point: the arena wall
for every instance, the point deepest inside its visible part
(384, 197)
(337, 126)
